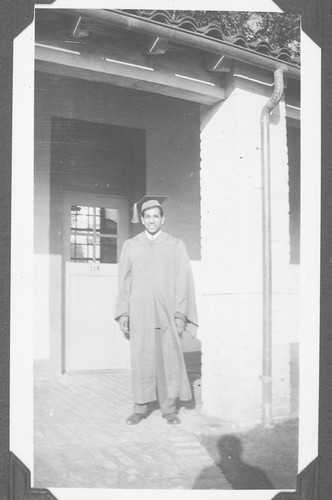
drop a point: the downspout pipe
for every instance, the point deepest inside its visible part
(193, 40)
(267, 247)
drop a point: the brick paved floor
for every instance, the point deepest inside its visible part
(82, 440)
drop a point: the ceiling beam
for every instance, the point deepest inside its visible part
(219, 64)
(184, 84)
(157, 46)
(80, 30)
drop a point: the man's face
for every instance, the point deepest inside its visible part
(152, 220)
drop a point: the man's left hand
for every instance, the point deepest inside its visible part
(180, 324)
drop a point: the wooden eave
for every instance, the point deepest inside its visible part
(118, 57)
(134, 58)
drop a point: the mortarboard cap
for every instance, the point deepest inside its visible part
(148, 201)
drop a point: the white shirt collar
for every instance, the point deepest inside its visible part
(152, 236)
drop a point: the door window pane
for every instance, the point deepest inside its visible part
(109, 221)
(93, 234)
(81, 248)
(108, 250)
(82, 218)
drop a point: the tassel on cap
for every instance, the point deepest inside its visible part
(135, 218)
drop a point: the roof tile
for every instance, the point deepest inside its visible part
(212, 30)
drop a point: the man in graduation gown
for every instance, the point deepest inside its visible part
(156, 302)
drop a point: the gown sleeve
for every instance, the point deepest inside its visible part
(185, 302)
(124, 282)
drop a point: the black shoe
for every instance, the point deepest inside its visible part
(172, 418)
(135, 418)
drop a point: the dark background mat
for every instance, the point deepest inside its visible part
(316, 482)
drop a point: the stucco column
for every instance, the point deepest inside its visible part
(231, 316)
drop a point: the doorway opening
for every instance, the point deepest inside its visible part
(97, 171)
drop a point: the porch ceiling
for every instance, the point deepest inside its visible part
(70, 45)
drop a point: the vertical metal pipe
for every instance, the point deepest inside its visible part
(267, 252)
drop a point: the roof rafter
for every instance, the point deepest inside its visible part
(194, 40)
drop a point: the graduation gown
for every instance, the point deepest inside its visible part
(154, 283)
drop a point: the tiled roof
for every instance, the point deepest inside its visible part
(212, 30)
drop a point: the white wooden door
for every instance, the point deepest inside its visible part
(95, 227)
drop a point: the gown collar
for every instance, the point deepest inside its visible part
(152, 236)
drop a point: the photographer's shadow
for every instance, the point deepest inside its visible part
(239, 474)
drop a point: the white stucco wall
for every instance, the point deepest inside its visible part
(232, 259)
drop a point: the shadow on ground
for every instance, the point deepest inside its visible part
(258, 459)
(238, 473)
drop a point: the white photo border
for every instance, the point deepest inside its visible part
(22, 269)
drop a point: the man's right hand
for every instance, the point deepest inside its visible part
(124, 325)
